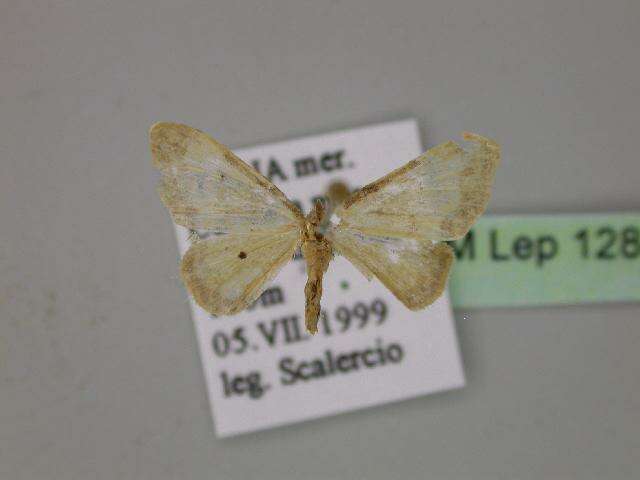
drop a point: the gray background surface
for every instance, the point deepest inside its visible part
(99, 372)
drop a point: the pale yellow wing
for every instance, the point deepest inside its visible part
(206, 187)
(438, 196)
(390, 227)
(415, 271)
(226, 273)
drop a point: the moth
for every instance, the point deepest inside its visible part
(393, 229)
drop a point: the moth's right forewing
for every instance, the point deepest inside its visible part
(415, 271)
(205, 186)
(439, 195)
(226, 273)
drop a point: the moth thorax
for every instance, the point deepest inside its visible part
(313, 221)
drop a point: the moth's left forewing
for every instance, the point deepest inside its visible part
(206, 186)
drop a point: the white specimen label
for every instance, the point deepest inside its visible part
(263, 369)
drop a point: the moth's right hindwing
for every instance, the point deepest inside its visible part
(415, 271)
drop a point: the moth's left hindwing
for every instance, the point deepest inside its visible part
(206, 187)
(227, 273)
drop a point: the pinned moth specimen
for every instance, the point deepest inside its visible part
(393, 229)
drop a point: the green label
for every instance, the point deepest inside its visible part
(547, 260)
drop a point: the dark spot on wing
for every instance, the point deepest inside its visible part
(242, 255)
